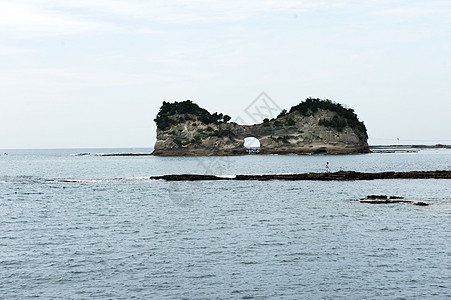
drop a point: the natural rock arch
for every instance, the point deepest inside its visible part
(252, 144)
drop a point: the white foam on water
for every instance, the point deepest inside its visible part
(226, 176)
(82, 154)
(104, 180)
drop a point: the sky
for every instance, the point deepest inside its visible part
(86, 74)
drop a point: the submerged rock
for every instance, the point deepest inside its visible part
(383, 199)
(380, 197)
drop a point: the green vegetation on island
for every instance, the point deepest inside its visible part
(165, 119)
(345, 116)
(179, 112)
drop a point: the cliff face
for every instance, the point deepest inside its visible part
(301, 131)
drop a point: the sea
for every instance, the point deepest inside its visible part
(75, 224)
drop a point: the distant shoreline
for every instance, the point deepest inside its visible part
(436, 146)
(404, 148)
(373, 149)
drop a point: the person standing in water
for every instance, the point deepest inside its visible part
(327, 167)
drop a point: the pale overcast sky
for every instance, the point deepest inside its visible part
(93, 73)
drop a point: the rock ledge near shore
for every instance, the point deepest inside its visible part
(383, 199)
(338, 176)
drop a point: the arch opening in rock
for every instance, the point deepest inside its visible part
(252, 145)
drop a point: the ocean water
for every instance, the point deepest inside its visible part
(95, 227)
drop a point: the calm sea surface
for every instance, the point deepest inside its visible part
(94, 227)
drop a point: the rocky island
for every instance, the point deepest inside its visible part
(313, 126)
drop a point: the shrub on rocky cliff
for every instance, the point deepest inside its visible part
(290, 122)
(187, 108)
(311, 105)
(335, 122)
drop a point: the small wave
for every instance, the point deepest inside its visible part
(81, 154)
(112, 154)
(105, 180)
(79, 180)
(24, 179)
(89, 154)
(40, 180)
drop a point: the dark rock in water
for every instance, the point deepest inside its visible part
(125, 154)
(83, 154)
(377, 197)
(387, 199)
(188, 177)
(383, 199)
(337, 176)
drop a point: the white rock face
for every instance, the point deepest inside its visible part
(291, 134)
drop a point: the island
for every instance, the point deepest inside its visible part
(314, 126)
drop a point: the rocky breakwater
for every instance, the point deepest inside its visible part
(338, 176)
(313, 126)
